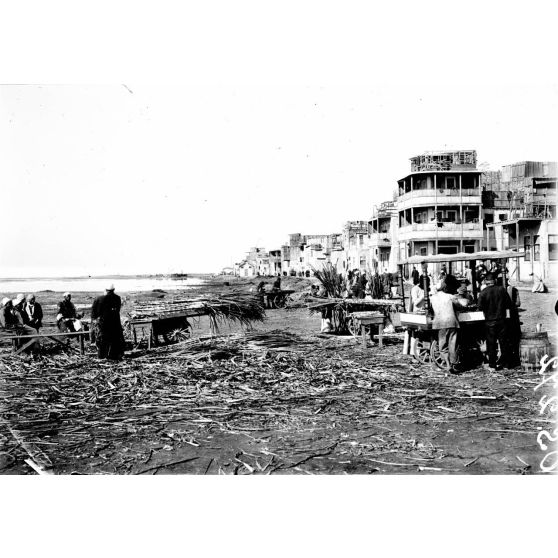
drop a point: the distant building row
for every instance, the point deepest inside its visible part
(444, 206)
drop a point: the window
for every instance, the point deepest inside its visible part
(469, 248)
(451, 216)
(423, 251)
(537, 246)
(450, 182)
(439, 216)
(470, 216)
(527, 247)
(553, 247)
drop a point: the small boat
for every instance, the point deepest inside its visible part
(179, 276)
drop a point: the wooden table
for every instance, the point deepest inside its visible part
(58, 337)
(369, 318)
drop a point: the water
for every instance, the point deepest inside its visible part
(95, 284)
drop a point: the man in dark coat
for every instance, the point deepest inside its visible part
(33, 312)
(415, 275)
(494, 302)
(105, 313)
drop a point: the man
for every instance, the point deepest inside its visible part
(105, 313)
(415, 275)
(67, 317)
(8, 319)
(18, 304)
(445, 321)
(277, 284)
(14, 317)
(386, 283)
(494, 301)
(33, 312)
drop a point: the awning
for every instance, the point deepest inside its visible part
(463, 257)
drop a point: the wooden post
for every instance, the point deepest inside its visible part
(402, 285)
(474, 279)
(380, 334)
(424, 266)
(363, 333)
(82, 344)
(517, 246)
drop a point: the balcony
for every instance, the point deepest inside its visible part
(424, 231)
(420, 198)
(380, 239)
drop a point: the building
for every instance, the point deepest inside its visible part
(439, 205)
(519, 203)
(356, 244)
(305, 253)
(383, 237)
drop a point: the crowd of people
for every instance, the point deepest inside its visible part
(23, 317)
(447, 296)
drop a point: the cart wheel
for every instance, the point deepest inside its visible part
(179, 334)
(353, 326)
(272, 300)
(280, 301)
(437, 358)
(422, 351)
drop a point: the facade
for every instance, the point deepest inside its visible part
(439, 205)
(304, 253)
(520, 213)
(444, 206)
(356, 244)
(383, 237)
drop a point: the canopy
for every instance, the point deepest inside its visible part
(462, 257)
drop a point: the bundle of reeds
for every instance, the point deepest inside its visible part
(333, 282)
(241, 309)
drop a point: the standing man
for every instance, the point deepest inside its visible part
(415, 275)
(33, 312)
(445, 320)
(105, 314)
(494, 301)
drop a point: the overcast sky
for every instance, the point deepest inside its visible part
(251, 123)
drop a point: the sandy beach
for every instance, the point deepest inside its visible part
(278, 397)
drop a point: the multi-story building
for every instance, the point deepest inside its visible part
(305, 253)
(439, 205)
(383, 236)
(356, 244)
(519, 203)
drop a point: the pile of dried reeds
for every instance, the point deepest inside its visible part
(241, 308)
(310, 403)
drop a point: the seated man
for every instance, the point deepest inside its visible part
(33, 312)
(13, 318)
(8, 319)
(67, 318)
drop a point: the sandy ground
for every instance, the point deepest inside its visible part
(400, 417)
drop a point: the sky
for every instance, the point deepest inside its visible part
(235, 127)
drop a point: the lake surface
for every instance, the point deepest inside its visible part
(122, 284)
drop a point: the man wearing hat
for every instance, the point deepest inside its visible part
(105, 314)
(67, 314)
(18, 304)
(494, 302)
(33, 312)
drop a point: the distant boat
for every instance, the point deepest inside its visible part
(179, 276)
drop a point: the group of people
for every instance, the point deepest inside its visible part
(361, 284)
(448, 296)
(23, 315)
(261, 290)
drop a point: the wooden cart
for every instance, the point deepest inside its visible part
(344, 312)
(277, 299)
(425, 345)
